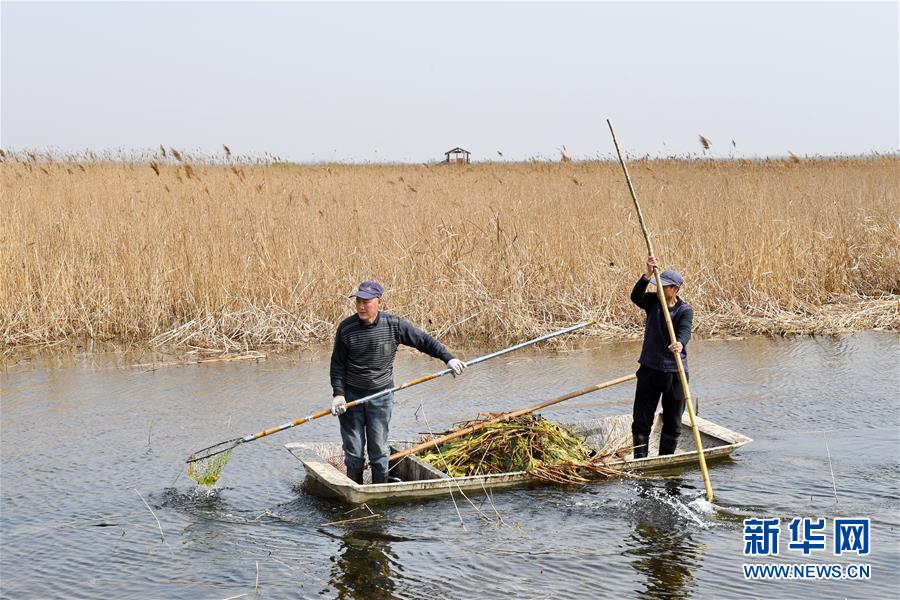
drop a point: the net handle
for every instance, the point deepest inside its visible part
(213, 450)
(206, 452)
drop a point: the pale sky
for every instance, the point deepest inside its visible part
(407, 81)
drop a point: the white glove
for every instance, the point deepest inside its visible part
(338, 405)
(456, 365)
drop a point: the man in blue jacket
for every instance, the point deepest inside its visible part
(362, 363)
(658, 374)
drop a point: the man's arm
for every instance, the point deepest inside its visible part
(338, 365)
(684, 324)
(645, 301)
(638, 295)
(421, 341)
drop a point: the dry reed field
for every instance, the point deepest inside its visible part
(177, 254)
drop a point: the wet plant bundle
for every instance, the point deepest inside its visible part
(206, 471)
(529, 443)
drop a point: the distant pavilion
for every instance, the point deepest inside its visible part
(457, 155)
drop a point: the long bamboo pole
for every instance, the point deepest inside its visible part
(222, 447)
(665, 311)
(506, 416)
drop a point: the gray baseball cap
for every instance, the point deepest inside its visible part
(368, 290)
(671, 277)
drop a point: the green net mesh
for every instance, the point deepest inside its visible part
(207, 471)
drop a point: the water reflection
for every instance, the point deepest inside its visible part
(664, 551)
(363, 563)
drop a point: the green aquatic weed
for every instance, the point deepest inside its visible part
(208, 470)
(523, 443)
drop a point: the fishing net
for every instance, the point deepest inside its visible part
(206, 471)
(529, 443)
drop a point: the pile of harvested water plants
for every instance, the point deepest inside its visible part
(529, 443)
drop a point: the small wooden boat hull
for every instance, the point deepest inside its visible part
(325, 472)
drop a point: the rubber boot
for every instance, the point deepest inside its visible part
(667, 444)
(379, 476)
(355, 475)
(640, 445)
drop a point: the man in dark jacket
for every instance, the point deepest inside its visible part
(658, 374)
(362, 363)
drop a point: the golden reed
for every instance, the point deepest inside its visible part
(236, 256)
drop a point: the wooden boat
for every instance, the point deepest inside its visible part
(325, 474)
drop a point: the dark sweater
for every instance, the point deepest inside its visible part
(363, 355)
(655, 353)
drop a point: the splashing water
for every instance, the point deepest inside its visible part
(702, 505)
(692, 511)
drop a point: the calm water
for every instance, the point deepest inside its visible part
(83, 442)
